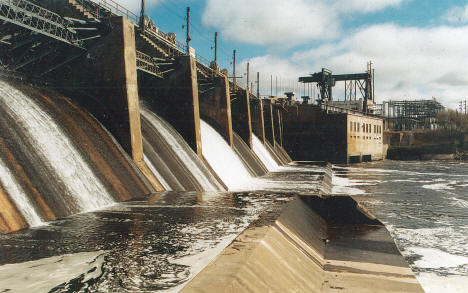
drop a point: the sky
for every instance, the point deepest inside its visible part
(419, 48)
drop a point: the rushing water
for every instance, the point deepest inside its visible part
(425, 206)
(264, 155)
(172, 160)
(42, 139)
(20, 197)
(223, 159)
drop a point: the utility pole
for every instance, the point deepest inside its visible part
(258, 85)
(216, 48)
(373, 84)
(276, 85)
(248, 76)
(271, 85)
(234, 67)
(142, 16)
(188, 31)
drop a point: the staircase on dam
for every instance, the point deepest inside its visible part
(39, 20)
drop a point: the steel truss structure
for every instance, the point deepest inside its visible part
(38, 19)
(408, 115)
(326, 81)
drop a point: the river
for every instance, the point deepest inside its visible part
(425, 207)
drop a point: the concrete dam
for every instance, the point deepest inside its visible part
(129, 165)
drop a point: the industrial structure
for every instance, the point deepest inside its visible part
(359, 89)
(410, 115)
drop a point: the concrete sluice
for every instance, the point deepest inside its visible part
(248, 157)
(172, 160)
(56, 160)
(312, 244)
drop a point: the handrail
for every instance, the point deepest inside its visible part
(338, 109)
(118, 9)
(38, 19)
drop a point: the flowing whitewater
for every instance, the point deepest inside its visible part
(19, 196)
(224, 160)
(264, 155)
(56, 160)
(171, 159)
(53, 150)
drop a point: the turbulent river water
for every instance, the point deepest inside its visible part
(425, 207)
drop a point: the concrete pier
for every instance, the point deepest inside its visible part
(215, 107)
(241, 116)
(110, 93)
(269, 122)
(258, 122)
(176, 99)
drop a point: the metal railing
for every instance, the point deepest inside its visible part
(38, 19)
(117, 9)
(147, 64)
(337, 109)
(104, 8)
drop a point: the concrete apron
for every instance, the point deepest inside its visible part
(315, 244)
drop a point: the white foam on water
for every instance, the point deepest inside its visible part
(224, 160)
(45, 274)
(459, 202)
(18, 195)
(433, 283)
(157, 174)
(435, 258)
(180, 150)
(56, 150)
(440, 186)
(264, 155)
(343, 186)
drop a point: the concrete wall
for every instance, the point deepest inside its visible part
(269, 122)
(258, 123)
(365, 138)
(241, 116)
(215, 108)
(311, 134)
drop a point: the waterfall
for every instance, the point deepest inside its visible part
(156, 173)
(169, 156)
(264, 155)
(223, 159)
(19, 196)
(61, 166)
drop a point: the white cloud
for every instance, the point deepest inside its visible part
(410, 62)
(272, 66)
(457, 14)
(135, 5)
(286, 23)
(364, 6)
(270, 21)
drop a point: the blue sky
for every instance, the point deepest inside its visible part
(419, 48)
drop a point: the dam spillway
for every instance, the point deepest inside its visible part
(130, 165)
